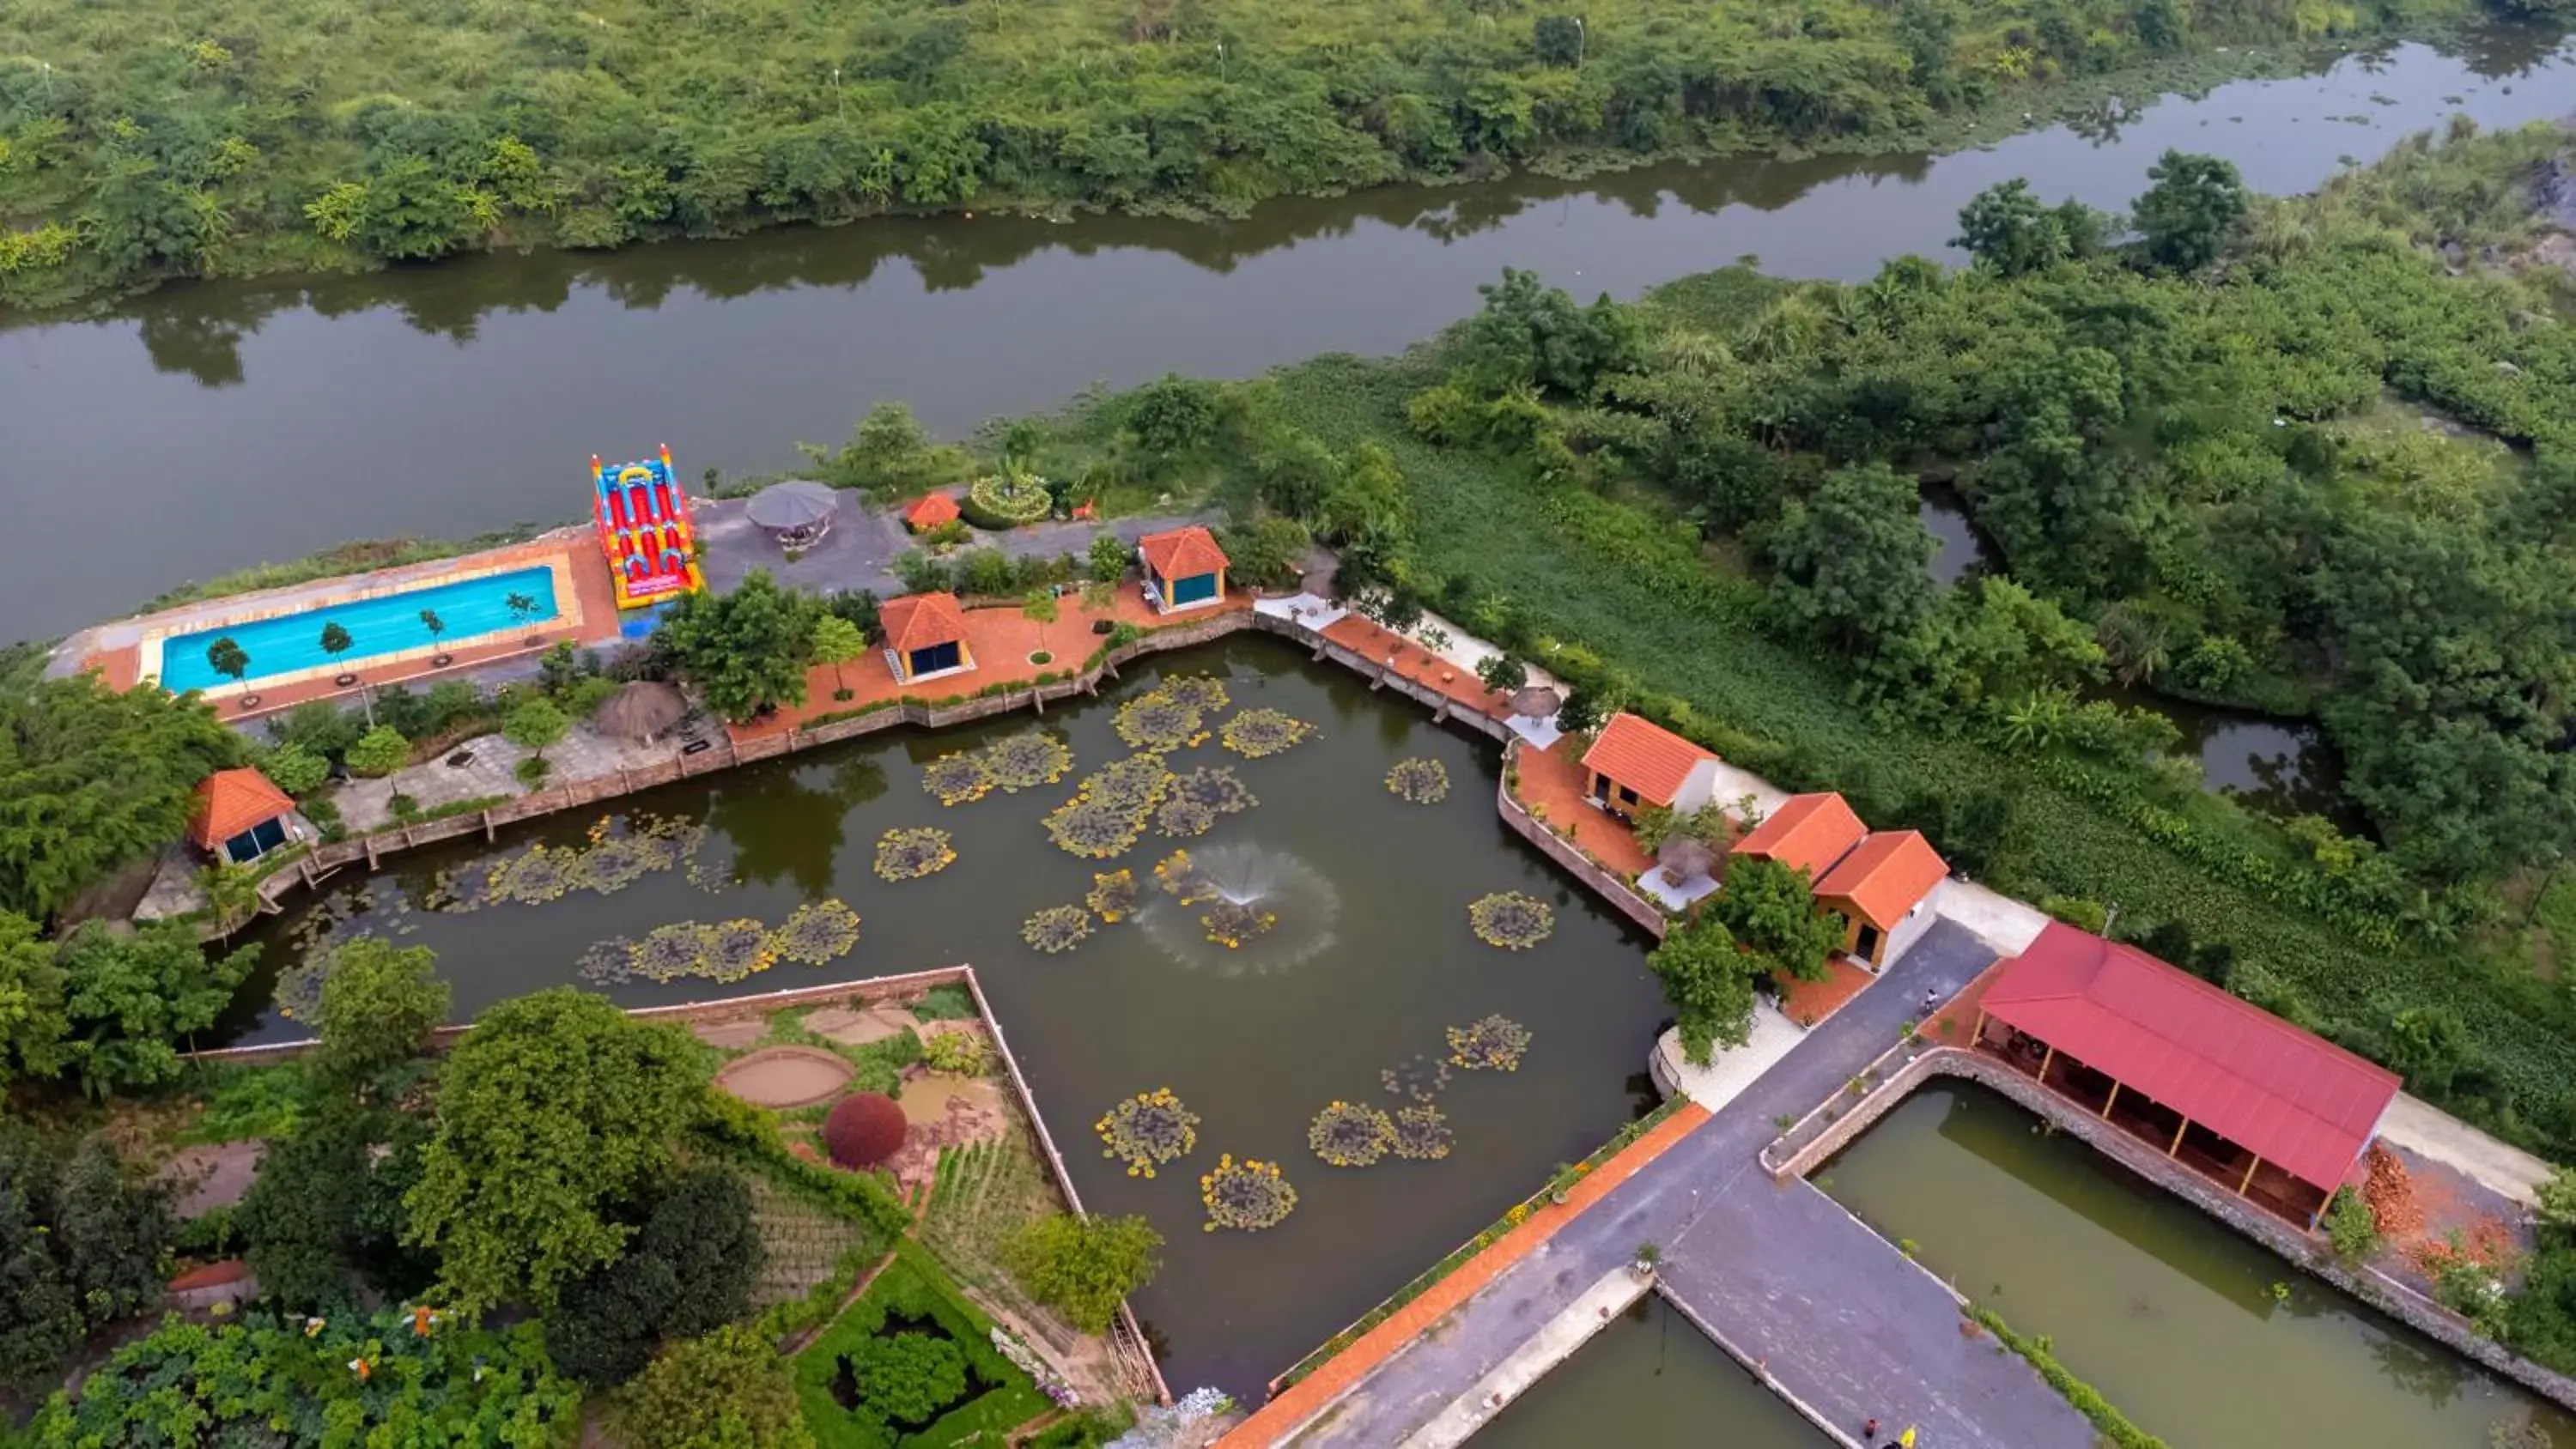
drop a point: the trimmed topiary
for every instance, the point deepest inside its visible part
(1002, 500)
(863, 1130)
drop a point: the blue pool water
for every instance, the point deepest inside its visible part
(385, 625)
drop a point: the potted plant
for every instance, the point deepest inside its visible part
(1648, 1255)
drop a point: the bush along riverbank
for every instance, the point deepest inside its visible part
(141, 142)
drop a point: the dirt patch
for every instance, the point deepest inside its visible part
(781, 1077)
(213, 1177)
(943, 1112)
(731, 1035)
(859, 1028)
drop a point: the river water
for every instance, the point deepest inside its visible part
(1650, 1378)
(213, 426)
(2196, 1334)
(1256, 1045)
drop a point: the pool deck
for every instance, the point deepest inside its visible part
(117, 650)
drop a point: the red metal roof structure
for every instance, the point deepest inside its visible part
(1807, 832)
(923, 621)
(2300, 1102)
(232, 801)
(1645, 757)
(932, 510)
(1182, 553)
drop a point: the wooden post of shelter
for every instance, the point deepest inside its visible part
(2175, 1149)
(1977, 1037)
(2111, 1101)
(2247, 1181)
(2045, 1059)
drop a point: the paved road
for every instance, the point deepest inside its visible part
(1781, 1273)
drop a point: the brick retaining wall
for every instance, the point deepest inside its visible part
(2300, 1249)
(1621, 896)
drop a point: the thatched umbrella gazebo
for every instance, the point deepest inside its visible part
(642, 710)
(1684, 859)
(798, 510)
(1536, 702)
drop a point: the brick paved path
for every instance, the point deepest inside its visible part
(1838, 1318)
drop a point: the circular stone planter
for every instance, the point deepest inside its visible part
(782, 1077)
(249, 702)
(441, 661)
(345, 680)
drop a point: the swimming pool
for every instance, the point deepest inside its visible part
(378, 626)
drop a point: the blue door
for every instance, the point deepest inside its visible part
(1194, 589)
(934, 659)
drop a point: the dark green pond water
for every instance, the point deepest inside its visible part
(1255, 1053)
(2175, 1319)
(204, 428)
(1650, 1378)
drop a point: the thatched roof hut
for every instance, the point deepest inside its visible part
(643, 710)
(1536, 702)
(1682, 859)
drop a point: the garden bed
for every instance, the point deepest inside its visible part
(912, 1295)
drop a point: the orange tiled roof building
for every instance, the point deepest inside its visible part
(926, 637)
(1879, 882)
(1634, 762)
(240, 815)
(1184, 568)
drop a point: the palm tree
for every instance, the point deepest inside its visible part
(227, 657)
(336, 641)
(522, 609)
(435, 625)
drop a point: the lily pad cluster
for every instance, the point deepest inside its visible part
(1205, 692)
(1027, 760)
(1182, 880)
(1230, 924)
(1247, 1196)
(1257, 733)
(1419, 781)
(1215, 787)
(1148, 1130)
(1057, 928)
(1114, 895)
(818, 933)
(1161, 720)
(958, 778)
(1511, 920)
(1421, 1134)
(1180, 818)
(1351, 1134)
(609, 860)
(1421, 1077)
(1108, 811)
(1493, 1043)
(914, 853)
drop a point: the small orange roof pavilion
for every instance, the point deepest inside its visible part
(1184, 566)
(930, 511)
(1634, 761)
(239, 814)
(1807, 832)
(926, 635)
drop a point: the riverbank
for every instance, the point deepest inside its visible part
(1316, 106)
(732, 351)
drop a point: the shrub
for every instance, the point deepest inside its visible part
(2351, 1226)
(955, 1054)
(1000, 501)
(863, 1130)
(533, 770)
(295, 769)
(2082, 914)
(378, 752)
(729, 1388)
(908, 1378)
(1084, 1266)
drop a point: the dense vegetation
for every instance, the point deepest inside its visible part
(141, 139)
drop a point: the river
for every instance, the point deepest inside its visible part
(2196, 1334)
(211, 426)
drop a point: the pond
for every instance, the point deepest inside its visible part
(1372, 892)
(2279, 766)
(2195, 1333)
(1650, 1378)
(1945, 517)
(290, 414)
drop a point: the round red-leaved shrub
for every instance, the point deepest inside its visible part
(865, 1128)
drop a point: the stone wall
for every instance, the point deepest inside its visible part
(1621, 896)
(1796, 1153)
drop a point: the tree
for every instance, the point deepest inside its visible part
(295, 769)
(536, 724)
(2191, 211)
(728, 1390)
(1771, 910)
(91, 778)
(132, 997)
(231, 892)
(1530, 333)
(81, 1242)
(379, 1004)
(33, 1020)
(1109, 558)
(435, 625)
(1502, 673)
(1084, 1266)
(553, 1109)
(1558, 40)
(745, 651)
(907, 1378)
(1268, 553)
(890, 454)
(1039, 609)
(1581, 713)
(2009, 233)
(690, 1269)
(1708, 980)
(336, 642)
(300, 1220)
(522, 607)
(837, 642)
(226, 657)
(1855, 561)
(379, 752)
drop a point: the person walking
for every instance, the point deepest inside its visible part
(1906, 1439)
(1931, 999)
(1869, 1434)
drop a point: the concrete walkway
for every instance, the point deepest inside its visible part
(2420, 1127)
(860, 550)
(1831, 1314)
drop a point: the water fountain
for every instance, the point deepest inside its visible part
(1243, 907)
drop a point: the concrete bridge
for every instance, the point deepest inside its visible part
(1835, 1318)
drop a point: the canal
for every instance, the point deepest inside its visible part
(213, 426)
(1347, 998)
(2196, 1334)
(1650, 1378)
